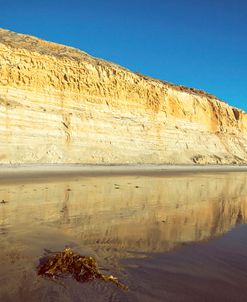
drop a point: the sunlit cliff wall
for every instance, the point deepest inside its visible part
(60, 105)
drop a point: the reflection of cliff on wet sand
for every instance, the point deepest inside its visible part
(129, 213)
(108, 217)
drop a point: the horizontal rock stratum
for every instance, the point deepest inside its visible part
(60, 105)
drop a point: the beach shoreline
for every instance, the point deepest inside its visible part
(23, 171)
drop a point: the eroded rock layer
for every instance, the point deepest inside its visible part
(60, 105)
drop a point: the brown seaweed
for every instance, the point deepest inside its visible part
(69, 263)
(3, 201)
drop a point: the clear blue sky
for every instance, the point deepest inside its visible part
(201, 44)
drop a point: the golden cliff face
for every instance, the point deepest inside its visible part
(60, 105)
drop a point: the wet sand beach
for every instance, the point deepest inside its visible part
(169, 233)
(32, 171)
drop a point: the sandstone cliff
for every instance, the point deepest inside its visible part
(60, 105)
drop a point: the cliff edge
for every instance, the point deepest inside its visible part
(60, 105)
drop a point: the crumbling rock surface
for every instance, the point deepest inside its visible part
(60, 105)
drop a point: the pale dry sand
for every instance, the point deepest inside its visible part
(33, 171)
